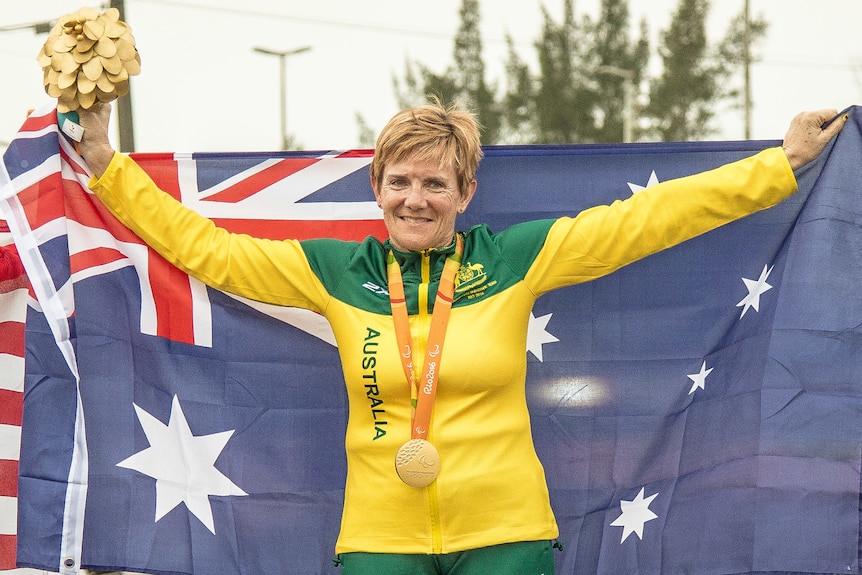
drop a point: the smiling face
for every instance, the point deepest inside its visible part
(420, 201)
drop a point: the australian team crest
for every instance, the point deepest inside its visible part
(471, 280)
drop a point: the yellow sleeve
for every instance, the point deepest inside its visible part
(604, 238)
(270, 271)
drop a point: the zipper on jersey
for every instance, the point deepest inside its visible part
(420, 343)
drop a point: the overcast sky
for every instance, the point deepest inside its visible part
(203, 88)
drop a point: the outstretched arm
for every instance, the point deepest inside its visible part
(605, 238)
(270, 271)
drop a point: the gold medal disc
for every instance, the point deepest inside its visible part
(417, 463)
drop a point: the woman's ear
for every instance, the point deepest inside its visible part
(466, 197)
(376, 190)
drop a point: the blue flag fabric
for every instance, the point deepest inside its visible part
(698, 411)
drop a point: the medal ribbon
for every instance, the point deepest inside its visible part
(422, 401)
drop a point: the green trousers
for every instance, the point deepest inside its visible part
(526, 558)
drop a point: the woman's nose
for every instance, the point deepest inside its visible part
(415, 196)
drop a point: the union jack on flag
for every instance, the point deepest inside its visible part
(257, 194)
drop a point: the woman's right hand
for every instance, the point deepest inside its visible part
(95, 146)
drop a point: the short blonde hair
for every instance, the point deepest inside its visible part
(431, 132)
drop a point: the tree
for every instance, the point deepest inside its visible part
(735, 53)
(463, 82)
(620, 65)
(470, 72)
(519, 101)
(420, 82)
(682, 98)
(367, 136)
(563, 98)
(579, 92)
(696, 77)
(575, 98)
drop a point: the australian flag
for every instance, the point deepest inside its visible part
(699, 411)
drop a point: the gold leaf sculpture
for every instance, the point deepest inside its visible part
(88, 59)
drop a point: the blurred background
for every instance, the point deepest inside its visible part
(262, 75)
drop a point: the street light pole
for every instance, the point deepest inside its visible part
(747, 70)
(282, 60)
(125, 121)
(628, 98)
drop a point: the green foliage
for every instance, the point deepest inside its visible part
(681, 99)
(367, 136)
(697, 77)
(734, 49)
(616, 52)
(591, 73)
(464, 81)
(519, 103)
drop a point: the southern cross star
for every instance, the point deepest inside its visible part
(634, 514)
(755, 289)
(699, 379)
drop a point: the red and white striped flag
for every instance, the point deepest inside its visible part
(13, 310)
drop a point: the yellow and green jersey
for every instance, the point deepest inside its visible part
(491, 488)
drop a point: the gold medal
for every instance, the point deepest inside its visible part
(417, 463)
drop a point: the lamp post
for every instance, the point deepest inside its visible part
(747, 71)
(282, 58)
(124, 103)
(628, 97)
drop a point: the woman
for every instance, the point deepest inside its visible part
(451, 482)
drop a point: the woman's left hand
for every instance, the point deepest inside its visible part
(807, 137)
